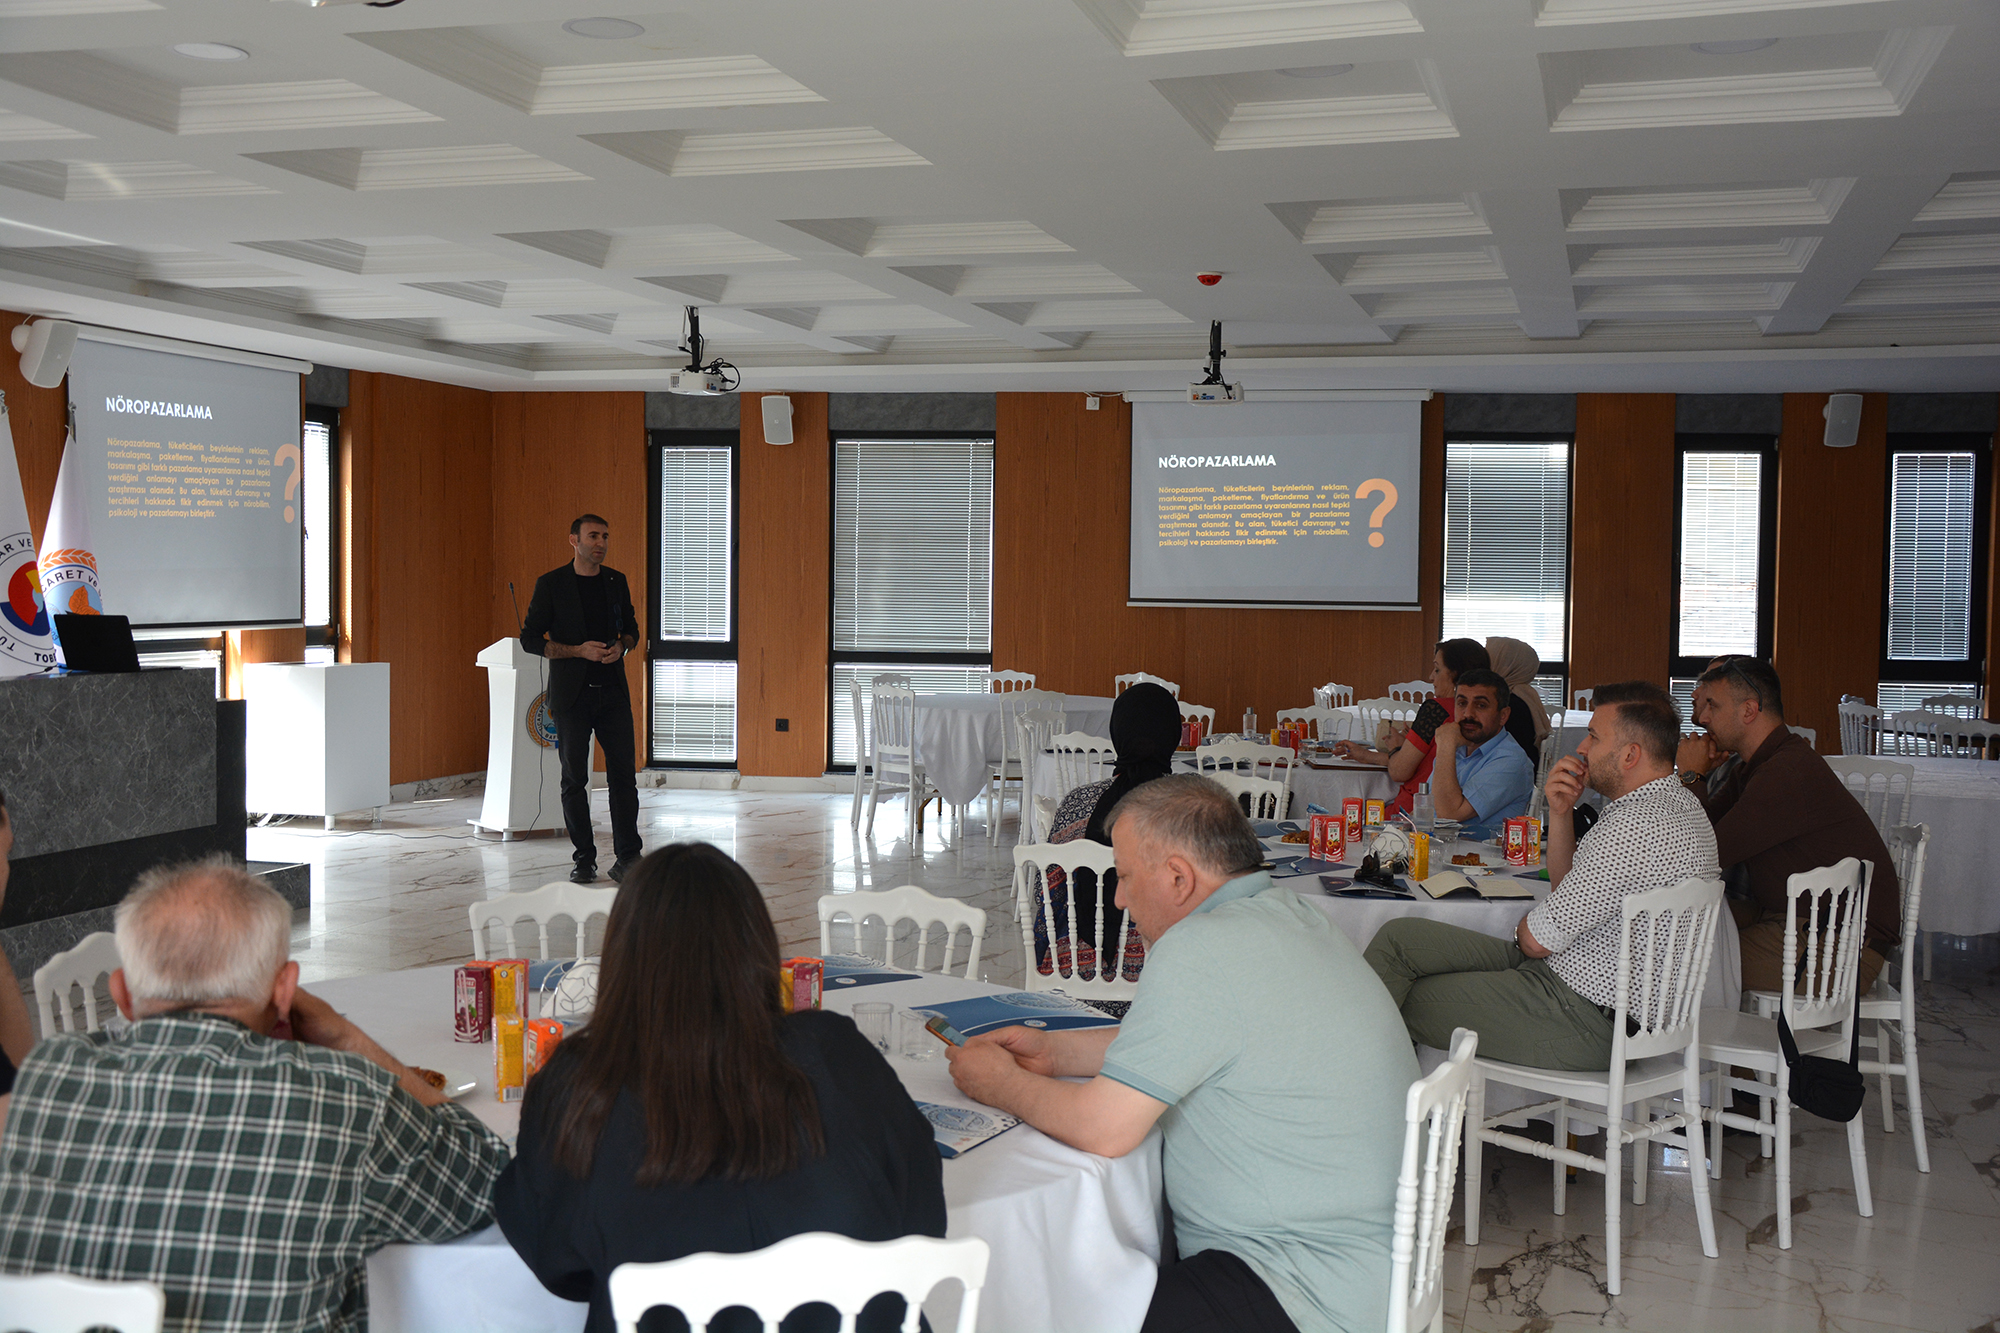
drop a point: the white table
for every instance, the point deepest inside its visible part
(1075, 1237)
(1960, 800)
(958, 737)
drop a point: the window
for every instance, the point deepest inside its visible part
(1506, 545)
(693, 643)
(317, 433)
(1725, 521)
(1934, 580)
(912, 567)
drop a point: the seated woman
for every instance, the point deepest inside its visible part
(1518, 663)
(1145, 731)
(1410, 763)
(694, 1114)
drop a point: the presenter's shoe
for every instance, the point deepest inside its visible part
(583, 874)
(621, 866)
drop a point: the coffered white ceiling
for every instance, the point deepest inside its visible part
(1533, 194)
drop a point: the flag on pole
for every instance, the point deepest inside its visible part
(25, 644)
(69, 568)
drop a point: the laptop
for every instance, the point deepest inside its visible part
(97, 643)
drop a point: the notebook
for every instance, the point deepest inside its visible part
(1454, 884)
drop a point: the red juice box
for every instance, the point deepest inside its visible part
(1328, 840)
(1351, 813)
(803, 977)
(1516, 841)
(472, 1002)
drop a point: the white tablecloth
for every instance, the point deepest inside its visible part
(1960, 800)
(1075, 1237)
(958, 737)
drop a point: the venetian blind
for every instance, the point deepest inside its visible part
(1506, 542)
(913, 546)
(694, 712)
(1930, 556)
(694, 544)
(1720, 517)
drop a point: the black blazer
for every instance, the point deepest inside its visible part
(556, 612)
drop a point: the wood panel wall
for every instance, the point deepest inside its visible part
(1827, 608)
(1061, 557)
(37, 417)
(1621, 538)
(784, 592)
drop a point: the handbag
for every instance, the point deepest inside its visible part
(1830, 1089)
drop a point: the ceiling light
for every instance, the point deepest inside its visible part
(211, 51)
(1732, 48)
(1315, 71)
(609, 30)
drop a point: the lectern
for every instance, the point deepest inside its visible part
(523, 773)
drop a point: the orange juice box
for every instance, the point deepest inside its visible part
(1374, 815)
(539, 1043)
(509, 1071)
(1532, 837)
(510, 987)
(1420, 856)
(1516, 841)
(1350, 810)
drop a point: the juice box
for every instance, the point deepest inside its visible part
(509, 1069)
(1532, 837)
(510, 987)
(472, 1002)
(1420, 856)
(1374, 813)
(1350, 812)
(1326, 842)
(802, 982)
(539, 1043)
(1516, 841)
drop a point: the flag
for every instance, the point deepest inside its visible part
(69, 569)
(25, 644)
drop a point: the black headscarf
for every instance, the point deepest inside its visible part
(1145, 730)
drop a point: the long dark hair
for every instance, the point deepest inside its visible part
(687, 1019)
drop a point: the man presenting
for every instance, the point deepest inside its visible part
(1481, 777)
(1268, 1056)
(581, 619)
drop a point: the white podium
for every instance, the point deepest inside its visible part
(523, 772)
(317, 737)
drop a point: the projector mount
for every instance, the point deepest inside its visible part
(1212, 388)
(717, 377)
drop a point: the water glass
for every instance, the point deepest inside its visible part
(873, 1020)
(914, 1041)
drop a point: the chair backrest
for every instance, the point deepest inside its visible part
(1265, 761)
(1120, 684)
(1910, 732)
(1581, 699)
(1956, 705)
(1013, 703)
(1081, 758)
(1859, 724)
(1004, 681)
(861, 747)
(1206, 714)
(1965, 738)
(1881, 785)
(895, 726)
(1261, 797)
(815, 1266)
(59, 1303)
(94, 955)
(1811, 735)
(1331, 695)
(1410, 691)
(1032, 891)
(1823, 950)
(1433, 1122)
(906, 902)
(1312, 717)
(1372, 712)
(1908, 844)
(1666, 936)
(577, 902)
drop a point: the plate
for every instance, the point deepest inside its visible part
(459, 1090)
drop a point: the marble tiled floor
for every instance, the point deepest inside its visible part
(1929, 1259)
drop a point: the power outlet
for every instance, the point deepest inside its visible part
(784, 724)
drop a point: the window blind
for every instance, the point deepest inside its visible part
(1506, 542)
(316, 518)
(694, 712)
(1721, 508)
(1930, 556)
(695, 506)
(913, 546)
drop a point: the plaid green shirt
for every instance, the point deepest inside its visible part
(250, 1177)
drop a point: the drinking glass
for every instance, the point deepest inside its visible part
(1423, 812)
(873, 1020)
(914, 1041)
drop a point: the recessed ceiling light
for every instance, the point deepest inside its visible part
(211, 51)
(1732, 48)
(609, 30)
(1314, 71)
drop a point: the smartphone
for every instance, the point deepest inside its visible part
(941, 1028)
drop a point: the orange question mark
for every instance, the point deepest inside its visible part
(289, 453)
(1387, 490)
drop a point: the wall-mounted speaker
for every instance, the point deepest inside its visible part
(45, 346)
(1843, 420)
(777, 418)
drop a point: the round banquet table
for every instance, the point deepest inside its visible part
(1075, 1237)
(958, 737)
(1960, 800)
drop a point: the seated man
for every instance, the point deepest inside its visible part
(17, 1030)
(1482, 776)
(248, 1175)
(1266, 1053)
(1779, 811)
(1547, 997)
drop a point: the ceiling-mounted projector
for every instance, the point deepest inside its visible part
(1212, 388)
(694, 379)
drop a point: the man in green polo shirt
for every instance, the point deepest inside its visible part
(1270, 1057)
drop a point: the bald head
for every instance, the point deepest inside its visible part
(202, 934)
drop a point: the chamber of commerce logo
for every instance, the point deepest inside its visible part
(541, 723)
(24, 619)
(69, 581)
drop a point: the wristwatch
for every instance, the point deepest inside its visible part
(1691, 779)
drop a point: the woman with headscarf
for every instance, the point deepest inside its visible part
(1517, 663)
(1145, 731)
(1409, 763)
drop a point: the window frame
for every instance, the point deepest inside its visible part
(659, 648)
(1680, 665)
(1559, 666)
(327, 635)
(1970, 670)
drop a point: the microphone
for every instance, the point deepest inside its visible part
(516, 597)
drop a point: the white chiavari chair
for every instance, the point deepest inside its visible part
(1201, 712)
(1860, 726)
(1120, 684)
(1332, 695)
(1410, 691)
(1261, 798)
(1033, 731)
(1004, 681)
(1433, 1125)
(1893, 1009)
(919, 907)
(1081, 758)
(1253, 758)
(1033, 892)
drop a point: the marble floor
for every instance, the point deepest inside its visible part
(1929, 1259)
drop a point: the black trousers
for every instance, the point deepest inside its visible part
(607, 711)
(1214, 1292)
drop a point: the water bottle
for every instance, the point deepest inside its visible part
(1249, 724)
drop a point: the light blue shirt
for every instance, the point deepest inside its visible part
(1497, 778)
(1284, 1068)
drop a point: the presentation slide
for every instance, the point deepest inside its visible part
(1299, 504)
(191, 475)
